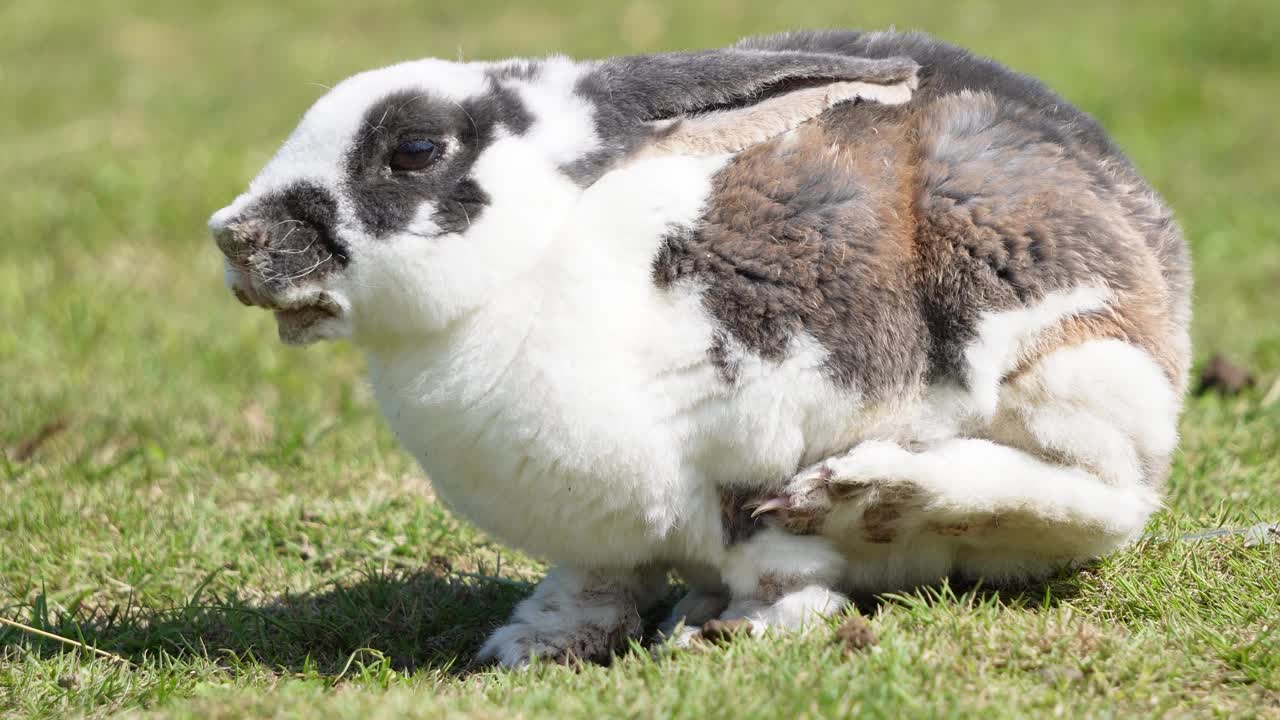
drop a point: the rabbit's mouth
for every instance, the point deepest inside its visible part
(303, 314)
(298, 325)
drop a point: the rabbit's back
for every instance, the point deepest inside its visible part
(888, 233)
(1017, 179)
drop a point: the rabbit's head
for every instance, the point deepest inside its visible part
(410, 194)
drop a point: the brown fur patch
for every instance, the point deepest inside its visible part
(771, 586)
(879, 522)
(806, 520)
(813, 236)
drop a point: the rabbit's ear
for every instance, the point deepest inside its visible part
(731, 130)
(672, 85)
(725, 100)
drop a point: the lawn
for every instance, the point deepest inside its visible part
(229, 520)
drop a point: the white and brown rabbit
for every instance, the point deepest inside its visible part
(821, 312)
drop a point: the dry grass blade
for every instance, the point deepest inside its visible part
(64, 641)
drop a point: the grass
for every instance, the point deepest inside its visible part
(230, 517)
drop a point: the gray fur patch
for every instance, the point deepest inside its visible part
(387, 201)
(526, 70)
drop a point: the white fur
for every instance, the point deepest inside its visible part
(795, 610)
(1004, 337)
(562, 402)
(788, 560)
(564, 130)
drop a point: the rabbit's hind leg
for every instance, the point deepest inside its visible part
(1070, 470)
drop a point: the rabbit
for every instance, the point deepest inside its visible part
(818, 313)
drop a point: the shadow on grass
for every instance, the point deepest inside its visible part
(425, 619)
(1046, 593)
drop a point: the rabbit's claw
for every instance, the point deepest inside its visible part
(807, 498)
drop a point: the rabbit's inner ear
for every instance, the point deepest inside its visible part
(736, 128)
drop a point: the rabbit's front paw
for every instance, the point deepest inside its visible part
(562, 638)
(569, 618)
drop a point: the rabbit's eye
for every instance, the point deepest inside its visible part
(414, 155)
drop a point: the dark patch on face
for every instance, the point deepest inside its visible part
(387, 201)
(627, 92)
(798, 239)
(620, 133)
(286, 236)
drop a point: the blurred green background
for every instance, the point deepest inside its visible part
(125, 124)
(159, 443)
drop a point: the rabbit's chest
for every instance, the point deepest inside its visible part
(565, 471)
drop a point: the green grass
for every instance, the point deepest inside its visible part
(231, 517)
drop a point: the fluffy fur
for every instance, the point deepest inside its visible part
(787, 319)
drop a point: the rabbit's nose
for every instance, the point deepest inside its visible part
(238, 239)
(235, 234)
(226, 240)
(220, 227)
